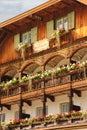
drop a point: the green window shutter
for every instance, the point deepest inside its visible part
(71, 20)
(50, 28)
(33, 34)
(16, 40)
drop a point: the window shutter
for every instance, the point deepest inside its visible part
(16, 40)
(50, 28)
(71, 19)
(33, 34)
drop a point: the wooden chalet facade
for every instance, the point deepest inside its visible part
(43, 71)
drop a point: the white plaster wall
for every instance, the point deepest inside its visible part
(10, 114)
(81, 101)
(53, 107)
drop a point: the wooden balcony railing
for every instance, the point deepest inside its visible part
(50, 81)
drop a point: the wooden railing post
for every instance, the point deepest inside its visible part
(30, 85)
(84, 72)
(19, 75)
(43, 83)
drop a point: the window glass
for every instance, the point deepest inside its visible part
(60, 24)
(39, 111)
(64, 107)
(25, 37)
(66, 23)
(17, 114)
(2, 116)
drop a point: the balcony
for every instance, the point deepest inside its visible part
(53, 84)
(73, 121)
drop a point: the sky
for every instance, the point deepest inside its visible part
(11, 8)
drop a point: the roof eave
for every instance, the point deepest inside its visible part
(27, 13)
(83, 1)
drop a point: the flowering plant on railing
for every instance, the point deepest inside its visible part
(24, 79)
(36, 76)
(38, 119)
(49, 118)
(22, 45)
(47, 73)
(11, 82)
(76, 113)
(14, 122)
(57, 33)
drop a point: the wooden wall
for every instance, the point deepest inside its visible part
(7, 52)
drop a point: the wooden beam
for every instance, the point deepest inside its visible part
(77, 92)
(17, 26)
(7, 106)
(82, 1)
(52, 98)
(27, 102)
(6, 30)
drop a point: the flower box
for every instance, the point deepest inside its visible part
(62, 120)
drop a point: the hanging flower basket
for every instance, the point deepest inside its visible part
(22, 48)
(57, 34)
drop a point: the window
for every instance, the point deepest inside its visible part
(26, 37)
(64, 107)
(17, 114)
(2, 116)
(60, 24)
(67, 22)
(39, 111)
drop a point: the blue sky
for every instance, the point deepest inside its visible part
(11, 8)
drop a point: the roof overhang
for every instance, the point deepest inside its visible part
(15, 21)
(30, 12)
(83, 1)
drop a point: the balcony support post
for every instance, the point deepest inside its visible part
(70, 98)
(20, 103)
(85, 72)
(43, 92)
(44, 104)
